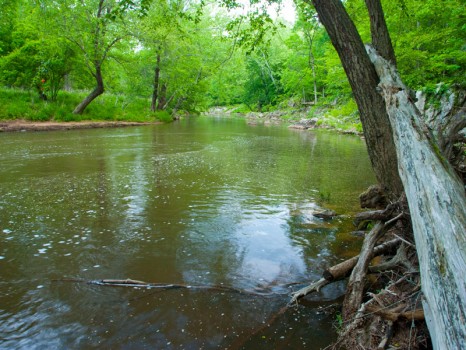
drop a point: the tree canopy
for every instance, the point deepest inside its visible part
(208, 56)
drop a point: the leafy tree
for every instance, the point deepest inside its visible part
(8, 9)
(36, 59)
(429, 39)
(94, 27)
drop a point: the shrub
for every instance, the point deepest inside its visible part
(163, 116)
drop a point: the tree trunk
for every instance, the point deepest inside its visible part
(155, 90)
(363, 80)
(162, 97)
(398, 140)
(437, 205)
(312, 64)
(379, 31)
(98, 90)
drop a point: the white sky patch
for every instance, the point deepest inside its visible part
(286, 10)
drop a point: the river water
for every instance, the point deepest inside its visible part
(205, 202)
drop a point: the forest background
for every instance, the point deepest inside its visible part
(182, 57)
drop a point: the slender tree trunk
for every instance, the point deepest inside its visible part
(98, 90)
(312, 65)
(363, 80)
(155, 90)
(311, 61)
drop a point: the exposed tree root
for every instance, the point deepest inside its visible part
(382, 215)
(376, 318)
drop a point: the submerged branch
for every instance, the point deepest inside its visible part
(164, 286)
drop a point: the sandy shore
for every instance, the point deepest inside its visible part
(23, 125)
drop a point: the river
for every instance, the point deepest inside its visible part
(201, 202)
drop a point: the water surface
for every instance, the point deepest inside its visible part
(203, 202)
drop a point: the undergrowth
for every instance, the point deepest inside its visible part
(343, 117)
(23, 104)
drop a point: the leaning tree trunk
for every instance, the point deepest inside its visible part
(437, 205)
(98, 90)
(363, 80)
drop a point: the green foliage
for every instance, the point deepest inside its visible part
(347, 109)
(22, 104)
(338, 323)
(242, 109)
(343, 116)
(208, 59)
(429, 39)
(163, 116)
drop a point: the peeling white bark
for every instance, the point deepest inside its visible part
(437, 204)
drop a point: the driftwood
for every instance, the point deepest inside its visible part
(399, 260)
(383, 344)
(394, 315)
(377, 215)
(342, 270)
(355, 288)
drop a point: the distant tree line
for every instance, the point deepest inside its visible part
(191, 55)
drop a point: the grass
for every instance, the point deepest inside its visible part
(343, 117)
(22, 104)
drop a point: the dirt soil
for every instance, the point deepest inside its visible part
(23, 125)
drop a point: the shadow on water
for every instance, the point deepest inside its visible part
(203, 202)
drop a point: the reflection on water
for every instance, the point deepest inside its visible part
(201, 202)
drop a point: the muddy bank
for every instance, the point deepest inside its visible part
(23, 125)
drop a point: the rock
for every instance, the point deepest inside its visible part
(304, 124)
(358, 233)
(373, 197)
(326, 214)
(308, 122)
(298, 126)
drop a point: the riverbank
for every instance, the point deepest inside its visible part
(342, 118)
(25, 105)
(24, 125)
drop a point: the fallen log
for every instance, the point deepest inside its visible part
(342, 270)
(437, 204)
